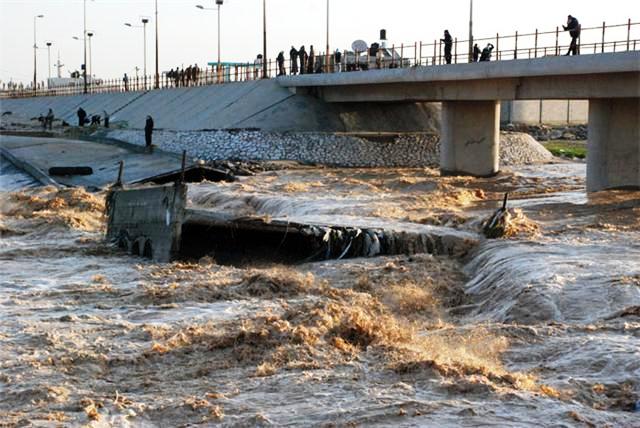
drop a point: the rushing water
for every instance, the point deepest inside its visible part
(541, 329)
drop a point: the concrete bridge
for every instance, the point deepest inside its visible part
(471, 95)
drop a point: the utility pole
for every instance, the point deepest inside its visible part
(157, 85)
(145, 21)
(471, 31)
(219, 3)
(264, 39)
(90, 69)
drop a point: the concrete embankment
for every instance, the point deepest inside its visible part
(263, 105)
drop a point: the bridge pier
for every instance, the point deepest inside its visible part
(470, 140)
(614, 144)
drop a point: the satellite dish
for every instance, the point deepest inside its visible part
(359, 46)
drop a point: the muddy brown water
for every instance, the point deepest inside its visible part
(542, 328)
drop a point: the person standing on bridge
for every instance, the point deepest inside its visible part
(125, 80)
(311, 60)
(280, 61)
(337, 57)
(148, 131)
(486, 53)
(574, 28)
(293, 57)
(476, 53)
(448, 45)
(302, 53)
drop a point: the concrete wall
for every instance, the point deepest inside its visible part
(147, 221)
(548, 112)
(257, 104)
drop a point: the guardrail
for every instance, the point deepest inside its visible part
(593, 40)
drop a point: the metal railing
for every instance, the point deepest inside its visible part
(593, 40)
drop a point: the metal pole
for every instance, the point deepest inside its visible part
(264, 39)
(144, 30)
(326, 62)
(218, 38)
(49, 56)
(90, 58)
(35, 47)
(157, 49)
(628, 33)
(603, 28)
(470, 30)
(84, 41)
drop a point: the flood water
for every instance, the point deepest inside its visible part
(538, 329)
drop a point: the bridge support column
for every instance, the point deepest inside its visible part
(614, 144)
(470, 138)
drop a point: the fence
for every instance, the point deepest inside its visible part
(593, 40)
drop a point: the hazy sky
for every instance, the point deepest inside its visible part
(189, 35)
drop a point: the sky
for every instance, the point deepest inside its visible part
(188, 35)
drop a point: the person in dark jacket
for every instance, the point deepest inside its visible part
(106, 118)
(148, 131)
(280, 61)
(293, 57)
(311, 61)
(476, 53)
(337, 57)
(448, 45)
(48, 119)
(486, 53)
(82, 115)
(302, 53)
(573, 27)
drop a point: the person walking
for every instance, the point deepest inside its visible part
(476, 53)
(311, 60)
(125, 80)
(293, 57)
(574, 29)
(280, 61)
(302, 53)
(448, 45)
(82, 115)
(486, 53)
(148, 131)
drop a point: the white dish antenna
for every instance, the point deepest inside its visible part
(359, 46)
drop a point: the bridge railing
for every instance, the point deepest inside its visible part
(593, 40)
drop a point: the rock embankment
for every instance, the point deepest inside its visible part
(406, 150)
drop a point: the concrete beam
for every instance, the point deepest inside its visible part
(614, 144)
(470, 139)
(614, 85)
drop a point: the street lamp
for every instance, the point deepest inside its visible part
(49, 57)
(219, 3)
(35, 48)
(157, 85)
(327, 51)
(90, 57)
(264, 39)
(145, 21)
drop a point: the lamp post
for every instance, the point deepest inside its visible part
(145, 21)
(90, 35)
(84, 41)
(219, 3)
(327, 68)
(35, 49)
(157, 85)
(470, 30)
(49, 57)
(264, 39)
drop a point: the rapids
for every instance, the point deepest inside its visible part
(539, 329)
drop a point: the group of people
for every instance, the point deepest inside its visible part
(93, 120)
(185, 77)
(303, 62)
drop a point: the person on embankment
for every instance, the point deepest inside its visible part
(148, 132)
(302, 53)
(448, 45)
(280, 61)
(293, 56)
(82, 115)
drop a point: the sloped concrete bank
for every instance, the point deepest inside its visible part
(413, 150)
(263, 105)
